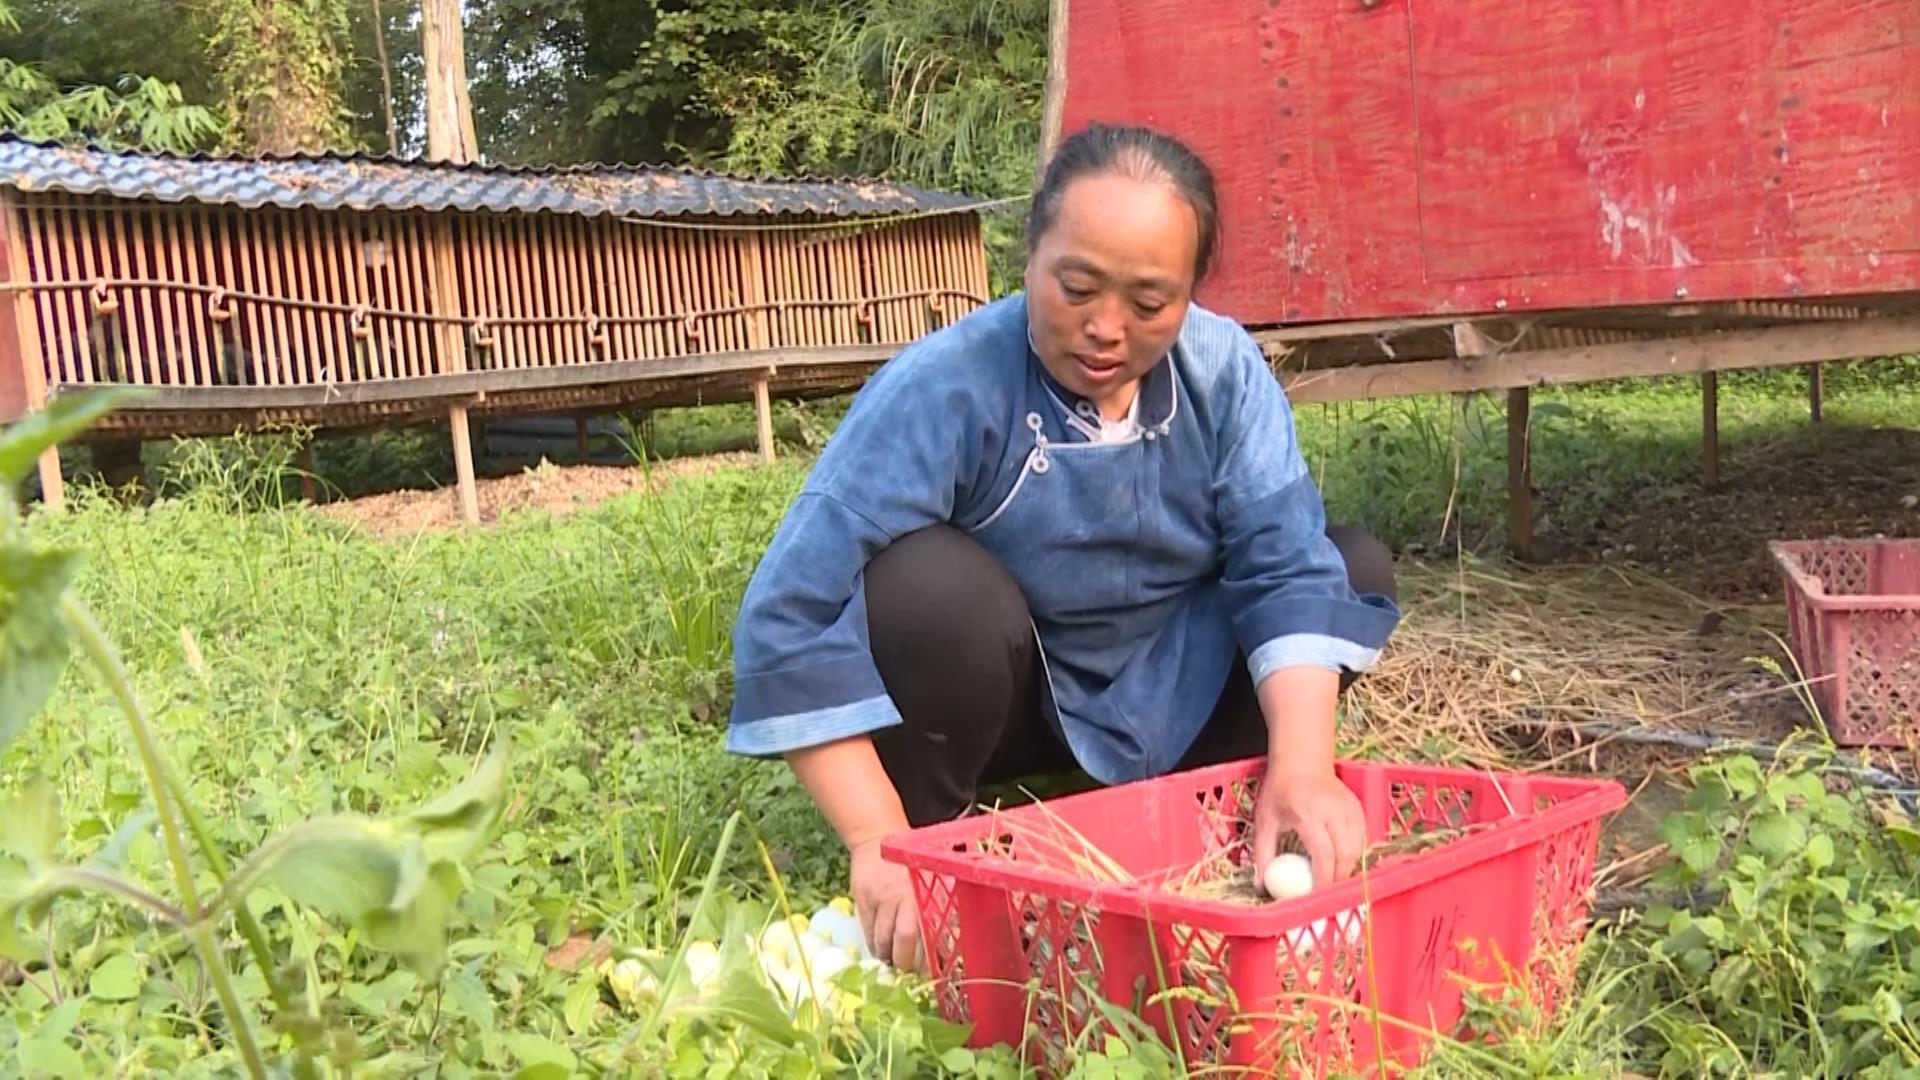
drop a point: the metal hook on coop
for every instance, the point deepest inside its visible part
(221, 307)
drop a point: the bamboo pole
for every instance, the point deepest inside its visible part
(246, 228)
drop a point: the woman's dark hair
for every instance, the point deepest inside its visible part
(1141, 154)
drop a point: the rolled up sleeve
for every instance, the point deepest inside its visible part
(1285, 580)
(803, 666)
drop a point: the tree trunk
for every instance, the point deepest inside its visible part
(386, 77)
(1055, 101)
(450, 138)
(449, 113)
(279, 66)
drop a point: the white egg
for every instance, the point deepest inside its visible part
(840, 931)
(1288, 876)
(810, 943)
(827, 963)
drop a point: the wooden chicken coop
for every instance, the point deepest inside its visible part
(348, 291)
(1421, 197)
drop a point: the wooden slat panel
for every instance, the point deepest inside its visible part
(624, 340)
(102, 335)
(420, 261)
(508, 300)
(286, 327)
(137, 304)
(469, 253)
(79, 350)
(247, 246)
(313, 235)
(199, 328)
(50, 308)
(300, 283)
(642, 244)
(526, 291)
(399, 285)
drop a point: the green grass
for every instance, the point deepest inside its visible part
(295, 666)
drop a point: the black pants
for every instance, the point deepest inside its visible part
(952, 639)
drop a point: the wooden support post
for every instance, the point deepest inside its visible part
(451, 345)
(463, 463)
(309, 490)
(1470, 345)
(1816, 389)
(1710, 429)
(763, 412)
(582, 436)
(1519, 474)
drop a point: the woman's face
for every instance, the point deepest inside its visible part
(1109, 283)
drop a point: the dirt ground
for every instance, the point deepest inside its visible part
(1824, 480)
(548, 487)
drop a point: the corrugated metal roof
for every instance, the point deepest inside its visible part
(368, 182)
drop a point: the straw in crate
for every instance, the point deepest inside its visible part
(1141, 894)
(1853, 622)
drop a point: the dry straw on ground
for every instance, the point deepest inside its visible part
(1502, 667)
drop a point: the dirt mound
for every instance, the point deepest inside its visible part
(546, 486)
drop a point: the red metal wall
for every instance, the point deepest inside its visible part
(1403, 157)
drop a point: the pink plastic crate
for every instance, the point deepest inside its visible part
(1021, 936)
(1853, 621)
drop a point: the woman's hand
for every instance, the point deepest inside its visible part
(1300, 793)
(851, 788)
(883, 895)
(1314, 805)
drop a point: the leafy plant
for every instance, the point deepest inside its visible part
(133, 112)
(1802, 963)
(394, 879)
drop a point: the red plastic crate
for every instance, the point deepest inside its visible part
(1853, 622)
(1007, 904)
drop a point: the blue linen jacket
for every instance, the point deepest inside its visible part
(1147, 563)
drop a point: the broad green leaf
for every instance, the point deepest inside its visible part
(45, 1052)
(539, 1050)
(1743, 777)
(33, 634)
(957, 1060)
(1906, 837)
(51, 1057)
(583, 1004)
(1820, 852)
(116, 980)
(454, 825)
(113, 854)
(67, 415)
(1777, 835)
(30, 825)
